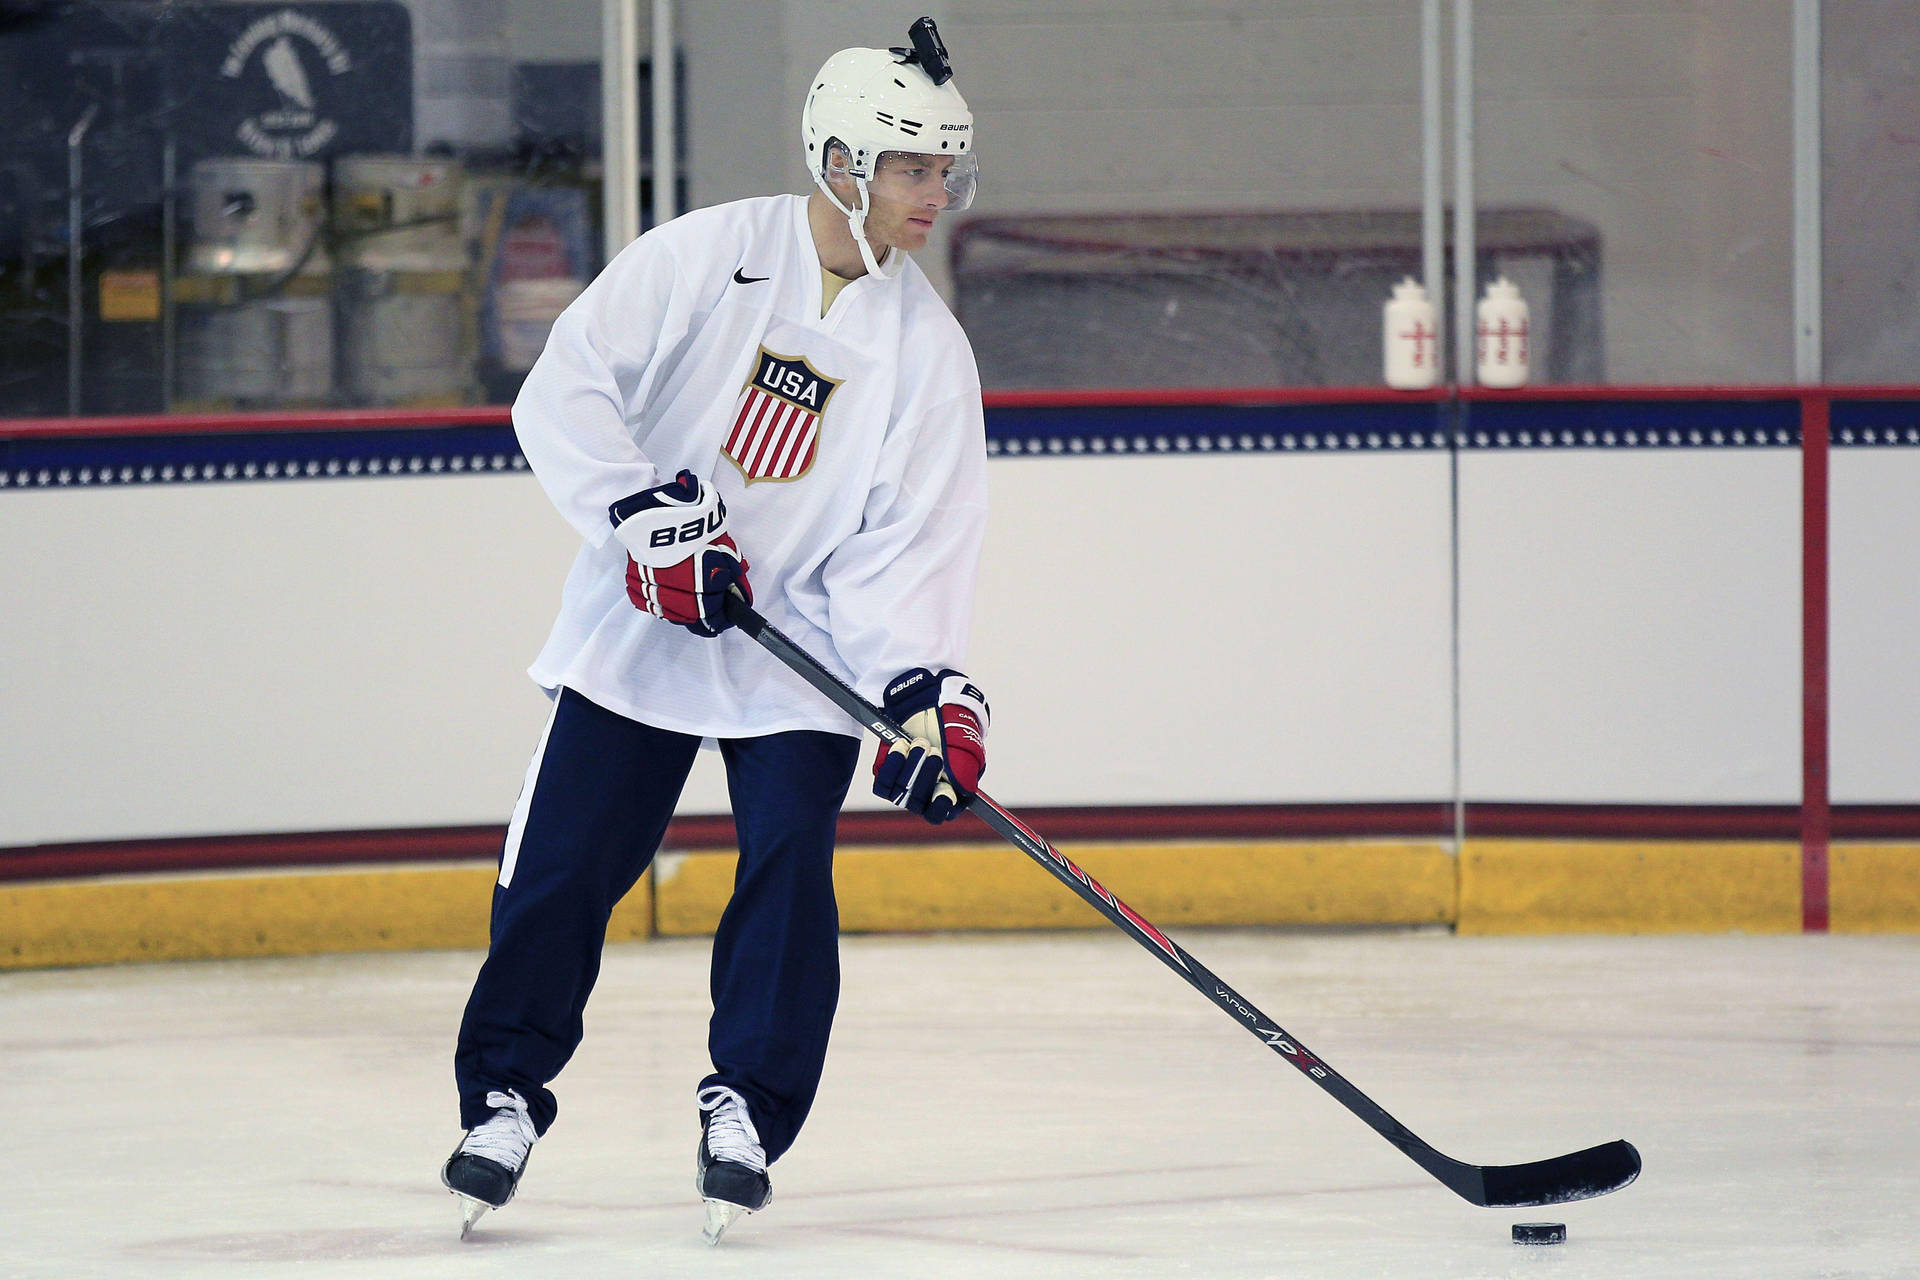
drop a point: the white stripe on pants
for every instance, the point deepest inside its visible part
(518, 824)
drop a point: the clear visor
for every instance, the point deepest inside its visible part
(926, 181)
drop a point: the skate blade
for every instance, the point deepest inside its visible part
(720, 1216)
(470, 1211)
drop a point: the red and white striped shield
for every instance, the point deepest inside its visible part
(776, 430)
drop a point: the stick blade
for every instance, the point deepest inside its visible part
(1579, 1175)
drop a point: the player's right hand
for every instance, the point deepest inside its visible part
(681, 561)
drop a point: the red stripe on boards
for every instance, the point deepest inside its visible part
(1407, 820)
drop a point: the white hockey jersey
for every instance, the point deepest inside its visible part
(849, 448)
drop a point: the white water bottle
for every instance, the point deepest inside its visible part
(1503, 350)
(1411, 339)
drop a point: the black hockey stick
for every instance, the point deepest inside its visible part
(1579, 1175)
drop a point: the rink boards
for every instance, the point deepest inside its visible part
(246, 627)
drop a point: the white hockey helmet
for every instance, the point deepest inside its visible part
(876, 101)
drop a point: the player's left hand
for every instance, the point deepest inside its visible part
(681, 561)
(946, 716)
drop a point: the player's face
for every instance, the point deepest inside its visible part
(909, 192)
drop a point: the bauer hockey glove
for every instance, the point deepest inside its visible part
(946, 716)
(680, 558)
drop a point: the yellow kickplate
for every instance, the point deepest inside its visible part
(197, 917)
(1874, 888)
(1629, 886)
(884, 889)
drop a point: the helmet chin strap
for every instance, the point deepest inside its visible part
(857, 223)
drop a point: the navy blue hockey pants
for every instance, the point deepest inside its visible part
(601, 792)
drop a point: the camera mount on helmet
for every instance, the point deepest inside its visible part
(927, 53)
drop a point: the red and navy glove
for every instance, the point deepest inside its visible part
(681, 560)
(946, 716)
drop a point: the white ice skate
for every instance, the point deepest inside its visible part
(731, 1165)
(484, 1170)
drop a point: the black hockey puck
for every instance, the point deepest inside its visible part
(1539, 1232)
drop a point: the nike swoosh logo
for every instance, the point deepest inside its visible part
(740, 279)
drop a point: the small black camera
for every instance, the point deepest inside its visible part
(927, 53)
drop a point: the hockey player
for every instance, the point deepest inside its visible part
(769, 387)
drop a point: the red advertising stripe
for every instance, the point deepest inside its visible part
(1119, 823)
(262, 421)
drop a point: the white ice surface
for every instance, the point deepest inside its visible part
(1052, 1106)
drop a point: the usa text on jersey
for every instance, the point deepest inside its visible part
(776, 431)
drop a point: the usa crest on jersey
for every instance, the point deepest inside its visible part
(776, 431)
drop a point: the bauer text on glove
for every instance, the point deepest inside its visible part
(937, 773)
(680, 558)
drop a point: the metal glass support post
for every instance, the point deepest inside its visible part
(666, 75)
(1806, 192)
(1453, 412)
(620, 124)
(169, 246)
(76, 232)
(1816, 777)
(1433, 232)
(1465, 257)
(1816, 785)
